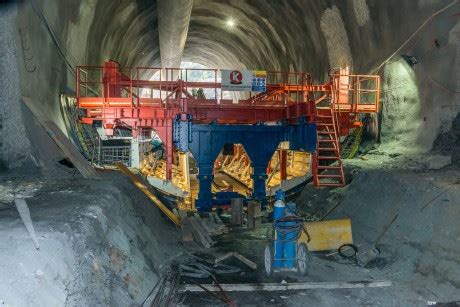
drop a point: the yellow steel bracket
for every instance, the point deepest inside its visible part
(141, 186)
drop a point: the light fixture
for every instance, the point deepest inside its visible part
(230, 23)
(410, 59)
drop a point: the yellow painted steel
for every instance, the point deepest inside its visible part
(141, 186)
(327, 235)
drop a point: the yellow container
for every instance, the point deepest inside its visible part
(327, 235)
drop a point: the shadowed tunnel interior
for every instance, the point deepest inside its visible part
(43, 41)
(280, 35)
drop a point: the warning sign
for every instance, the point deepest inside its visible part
(259, 81)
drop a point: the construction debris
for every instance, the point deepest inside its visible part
(69, 149)
(254, 217)
(238, 256)
(237, 211)
(288, 286)
(201, 229)
(24, 213)
(200, 234)
(245, 260)
(223, 257)
(141, 186)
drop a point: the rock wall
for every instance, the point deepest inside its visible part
(54, 37)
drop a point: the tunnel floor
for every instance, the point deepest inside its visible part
(409, 255)
(111, 237)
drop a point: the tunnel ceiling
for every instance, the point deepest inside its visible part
(295, 35)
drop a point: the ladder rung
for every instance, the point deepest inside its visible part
(324, 124)
(329, 167)
(323, 116)
(325, 132)
(327, 141)
(330, 176)
(327, 158)
(329, 184)
(328, 149)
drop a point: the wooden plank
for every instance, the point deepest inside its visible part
(220, 223)
(203, 223)
(223, 257)
(67, 147)
(141, 186)
(24, 213)
(237, 211)
(245, 260)
(198, 234)
(288, 286)
(186, 230)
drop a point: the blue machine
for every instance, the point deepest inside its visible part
(284, 252)
(205, 141)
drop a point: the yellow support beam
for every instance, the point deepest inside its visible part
(141, 186)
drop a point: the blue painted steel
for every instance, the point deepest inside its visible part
(290, 243)
(205, 141)
(278, 243)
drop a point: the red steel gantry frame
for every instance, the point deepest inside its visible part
(145, 98)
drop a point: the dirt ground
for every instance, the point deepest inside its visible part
(101, 242)
(419, 252)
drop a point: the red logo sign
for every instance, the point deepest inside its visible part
(236, 77)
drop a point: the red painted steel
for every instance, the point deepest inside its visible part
(150, 98)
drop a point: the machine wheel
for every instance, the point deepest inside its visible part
(303, 259)
(268, 259)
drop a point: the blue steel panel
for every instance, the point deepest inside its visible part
(259, 141)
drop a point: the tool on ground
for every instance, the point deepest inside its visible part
(284, 252)
(365, 258)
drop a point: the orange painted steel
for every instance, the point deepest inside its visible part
(151, 98)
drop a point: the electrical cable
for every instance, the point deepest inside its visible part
(414, 34)
(200, 268)
(341, 250)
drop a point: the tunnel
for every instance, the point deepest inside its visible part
(99, 239)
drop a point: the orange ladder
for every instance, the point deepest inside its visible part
(327, 165)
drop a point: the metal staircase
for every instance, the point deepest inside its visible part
(327, 165)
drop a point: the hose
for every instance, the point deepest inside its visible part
(341, 250)
(285, 226)
(198, 269)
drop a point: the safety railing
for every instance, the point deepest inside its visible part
(356, 93)
(112, 86)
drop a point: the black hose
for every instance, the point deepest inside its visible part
(196, 269)
(285, 226)
(348, 246)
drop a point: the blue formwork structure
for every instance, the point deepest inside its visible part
(205, 141)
